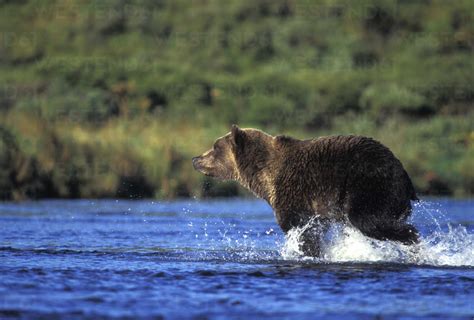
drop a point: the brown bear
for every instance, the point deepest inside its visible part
(349, 179)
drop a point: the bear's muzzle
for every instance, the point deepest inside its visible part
(196, 163)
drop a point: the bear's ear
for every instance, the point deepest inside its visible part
(238, 137)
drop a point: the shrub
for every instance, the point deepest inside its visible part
(385, 100)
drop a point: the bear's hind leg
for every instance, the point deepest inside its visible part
(406, 234)
(380, 224)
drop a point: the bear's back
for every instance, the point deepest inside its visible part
(348, 148)
(325, 165)
(339, 164)
(363, 163)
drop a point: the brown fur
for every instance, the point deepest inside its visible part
(350, 179)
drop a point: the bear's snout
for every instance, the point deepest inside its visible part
(201, 164)
(196, 162)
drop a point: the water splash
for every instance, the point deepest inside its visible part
(344, 243)
(228, 241)
(441, 244)
(453, 248)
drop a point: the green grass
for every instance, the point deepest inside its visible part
(112, 98)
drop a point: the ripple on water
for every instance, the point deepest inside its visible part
(200, 263)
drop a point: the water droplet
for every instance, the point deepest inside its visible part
(268, 232)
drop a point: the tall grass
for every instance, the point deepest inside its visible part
(112, 98)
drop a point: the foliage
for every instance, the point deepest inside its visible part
(112, 98)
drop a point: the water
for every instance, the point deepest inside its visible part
(224, 259)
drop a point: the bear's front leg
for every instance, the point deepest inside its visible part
(311, 229)
(310, 242)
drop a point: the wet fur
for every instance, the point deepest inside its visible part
(351, 179)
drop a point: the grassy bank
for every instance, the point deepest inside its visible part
(150, 158)
(112, 98)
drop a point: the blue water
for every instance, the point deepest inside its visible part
(224, 260)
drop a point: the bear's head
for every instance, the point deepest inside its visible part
(239, 155)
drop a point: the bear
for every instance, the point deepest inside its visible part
(343, 178)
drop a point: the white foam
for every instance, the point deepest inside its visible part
(454, 247)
